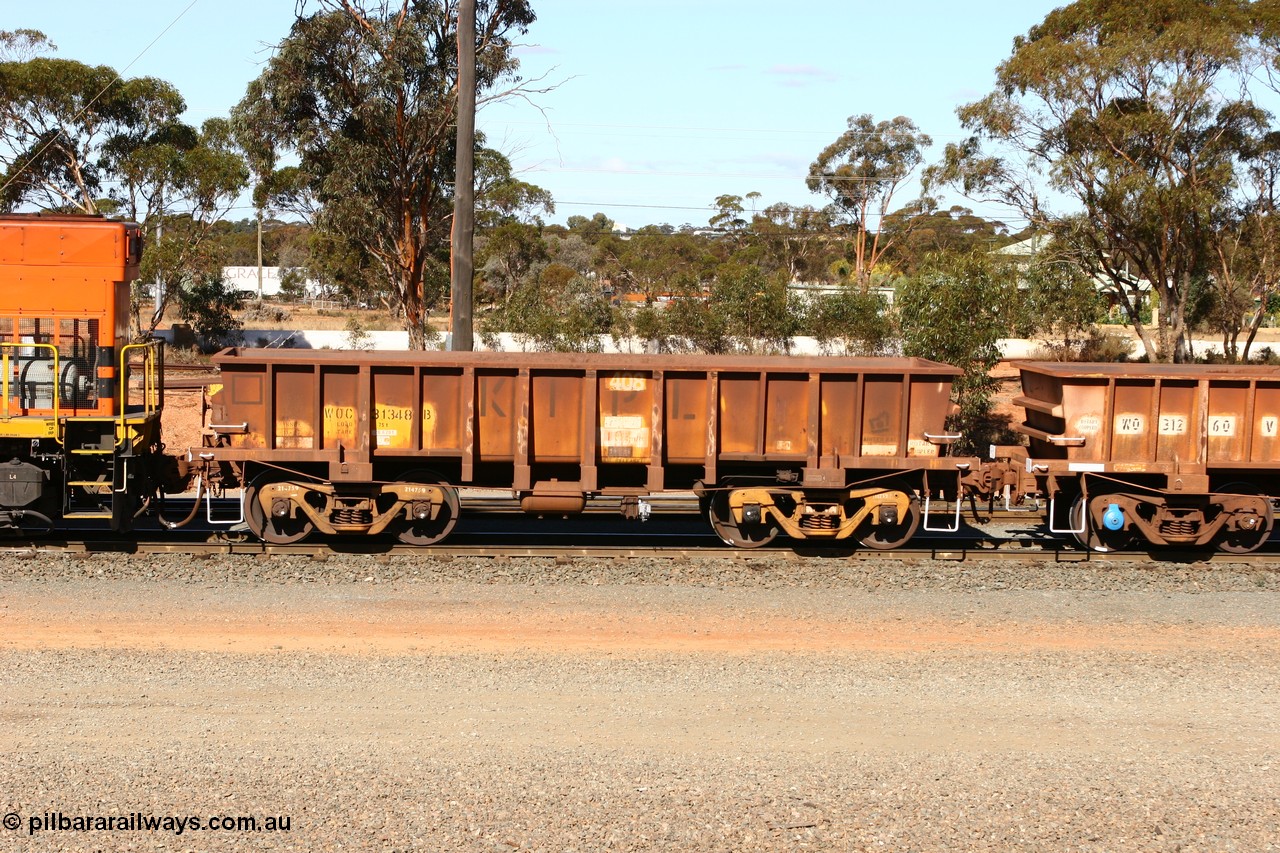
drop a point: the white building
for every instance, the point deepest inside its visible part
(246, 279)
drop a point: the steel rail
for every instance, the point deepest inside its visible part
(957, 551)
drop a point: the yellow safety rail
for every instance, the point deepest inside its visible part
(7, 367)
(152, 367)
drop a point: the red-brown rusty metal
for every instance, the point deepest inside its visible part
(1173, 451)
(307, 404)
(556, 428)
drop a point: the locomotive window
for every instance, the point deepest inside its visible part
(135, 248)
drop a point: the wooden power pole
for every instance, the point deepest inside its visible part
(462, 267)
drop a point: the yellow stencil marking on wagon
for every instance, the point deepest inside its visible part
(294, 434)
(626, 383)
(393, 425)
(340, 422)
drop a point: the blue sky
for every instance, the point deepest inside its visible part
(659, 107)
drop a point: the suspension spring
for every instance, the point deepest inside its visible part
(819, 522)
(351, 515)
(1179, 527)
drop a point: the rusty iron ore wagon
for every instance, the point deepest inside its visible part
(365, 442)
(1183, 455)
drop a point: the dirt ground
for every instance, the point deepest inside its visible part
(557, 715)
(561, 622)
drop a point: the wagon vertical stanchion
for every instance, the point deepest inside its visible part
(362, 443)
(1152, 455)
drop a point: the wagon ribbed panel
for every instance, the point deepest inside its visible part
(625, 422)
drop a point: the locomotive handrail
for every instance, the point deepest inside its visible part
(7, 369)
(150, 377)
(945, 438)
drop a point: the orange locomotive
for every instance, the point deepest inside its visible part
(80, 406)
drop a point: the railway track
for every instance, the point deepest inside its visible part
(492, 526)
(495, 534)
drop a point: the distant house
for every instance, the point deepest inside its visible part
(1025, 251)
(807, 291)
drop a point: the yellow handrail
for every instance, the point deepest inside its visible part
(7, 369)
(150, 377)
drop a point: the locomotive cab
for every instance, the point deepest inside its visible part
(80, 406)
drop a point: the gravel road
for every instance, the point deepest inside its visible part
(772, 703)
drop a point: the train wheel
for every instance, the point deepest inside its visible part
(886, 537)
(730, 531)
(1245, 541)
(269, 528)
(1102, 541)
(432, 530)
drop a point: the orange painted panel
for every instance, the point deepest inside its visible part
(787, 415)
(442, 414)
(882, 416)
(557, 416)
(686, 419)
(496, 416)
(739, 414)
(625, 417)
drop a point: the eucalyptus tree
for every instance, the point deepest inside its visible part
(861, 173)
(1139, 115)
(956, 310)
(58, 117)
(178, 183)
(797, 239)
(364, 94)
(922, 229)
(81, 138)
(1245, 269)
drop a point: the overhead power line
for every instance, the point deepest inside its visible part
(118, 79)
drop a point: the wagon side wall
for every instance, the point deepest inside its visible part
(551, 423)
(1152, 418)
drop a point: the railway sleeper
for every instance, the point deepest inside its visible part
(821, 514)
